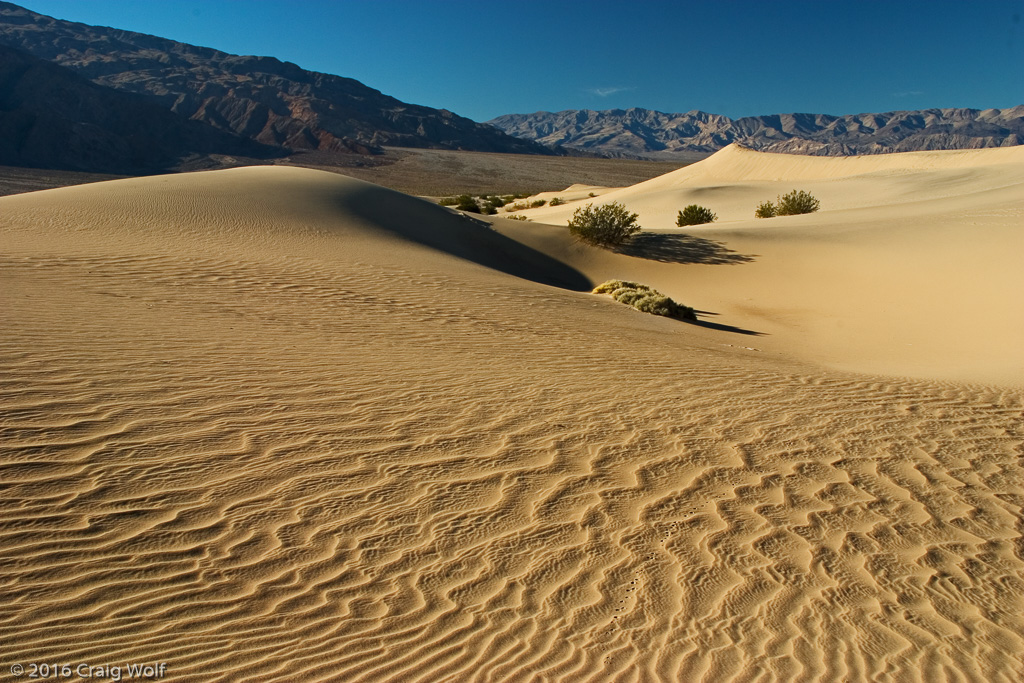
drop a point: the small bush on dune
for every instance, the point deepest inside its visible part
(448, 201)
(612, 285)
(790, 204)
(643, 298)
(765, 210)
(537, 203)
(606, 225)
(557, 201)
(464, 202)
(797, 202)
(488, 209)
(517, 218)
(695, 215)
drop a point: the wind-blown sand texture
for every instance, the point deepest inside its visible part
(277, 424)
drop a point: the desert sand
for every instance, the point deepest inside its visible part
(278, 424)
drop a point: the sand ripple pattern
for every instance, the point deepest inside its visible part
(381, 474)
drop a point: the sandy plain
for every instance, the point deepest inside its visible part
(278, 424)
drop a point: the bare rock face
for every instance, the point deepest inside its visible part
(654, 134)
(261, 98)
(50, 117)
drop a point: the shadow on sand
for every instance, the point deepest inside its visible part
(457, 234)
(720, 327)
(680, 248)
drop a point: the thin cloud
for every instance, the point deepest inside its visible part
(605, 92)
(908, 93)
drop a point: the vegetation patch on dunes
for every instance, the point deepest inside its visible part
(644, 298)
(790, 204)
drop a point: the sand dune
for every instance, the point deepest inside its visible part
(276, 424)
(910, 268)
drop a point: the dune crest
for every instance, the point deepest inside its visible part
(909, 268)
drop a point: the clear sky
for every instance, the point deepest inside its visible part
(485, 58)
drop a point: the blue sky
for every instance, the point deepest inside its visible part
(481, 59)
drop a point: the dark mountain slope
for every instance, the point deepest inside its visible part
(50, 117)
(262, 98)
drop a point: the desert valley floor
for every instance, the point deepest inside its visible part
(278, 424)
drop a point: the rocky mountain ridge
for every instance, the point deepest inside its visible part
(644, 133)
(260, 98)
(50, 117)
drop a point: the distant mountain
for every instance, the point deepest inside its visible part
(261, 98)
(654, 134)
(50, 117)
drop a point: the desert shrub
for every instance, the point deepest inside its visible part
(607, 225)
(643, 298)
(520, 195)
(497, 202)
(797, 202)
(448, 201)
(515, 207)
(556, 201)
(611, 285)
(695, 215)
(539, 202)
(592, 195)
(765, 210)
(518, 218)
(488, 209)
(659, 304)
(464, 202)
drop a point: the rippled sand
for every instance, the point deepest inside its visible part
(275, 424)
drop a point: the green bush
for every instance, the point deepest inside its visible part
(448, 201)
(538, 202)
(464, 202)
(497, 202)
(765, 210)
(592, 195)
(557, 201)
(607, 225)
(797, 202)
(643, 298)
(695, 215)
(488, 209)
(517, 218)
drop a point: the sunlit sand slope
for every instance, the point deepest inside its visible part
(278, 425)
(912, 267)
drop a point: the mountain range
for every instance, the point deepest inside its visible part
(50, 117)
(258, 99)
(643, 133)
(83, 97)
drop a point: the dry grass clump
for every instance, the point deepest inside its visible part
(644, 298)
